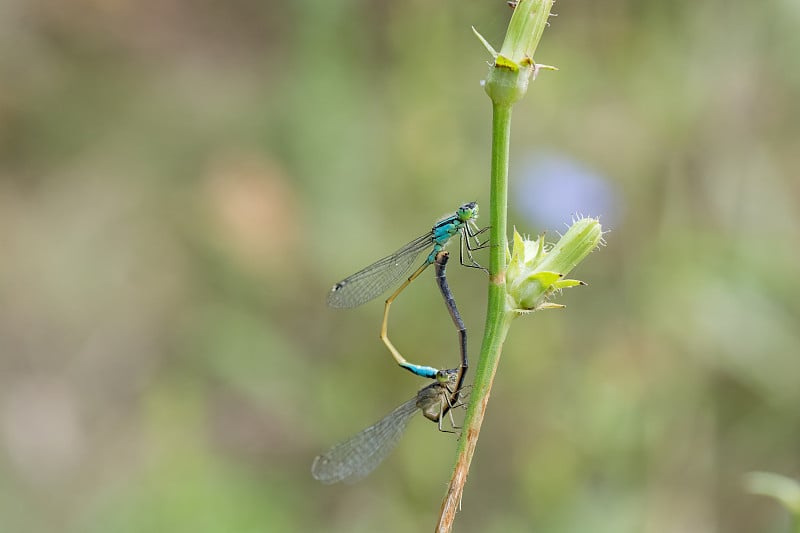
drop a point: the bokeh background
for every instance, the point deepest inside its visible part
(181, 182)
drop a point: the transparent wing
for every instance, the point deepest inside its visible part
(356, 457)
(371, 281)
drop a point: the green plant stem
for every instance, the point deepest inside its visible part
(497, 318)
(498, 202)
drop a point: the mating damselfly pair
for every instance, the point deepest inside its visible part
(356, 457)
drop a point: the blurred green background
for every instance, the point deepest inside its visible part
(181, 182)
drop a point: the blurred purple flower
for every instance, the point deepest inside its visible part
(555, 187)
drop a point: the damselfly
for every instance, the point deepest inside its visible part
(356, 457)
(359, 455)
(375, 279)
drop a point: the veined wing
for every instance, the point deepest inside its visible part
(371, 281)
(356, 457)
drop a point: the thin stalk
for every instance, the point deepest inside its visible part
(497, 318)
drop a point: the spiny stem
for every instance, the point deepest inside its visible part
(497, 318)
(506, 82)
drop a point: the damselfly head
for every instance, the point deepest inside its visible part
(447, 376)
(468, 211)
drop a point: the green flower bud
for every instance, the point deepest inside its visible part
(513, 66)
(536, 272)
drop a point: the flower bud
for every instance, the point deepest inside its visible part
(536, 271)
